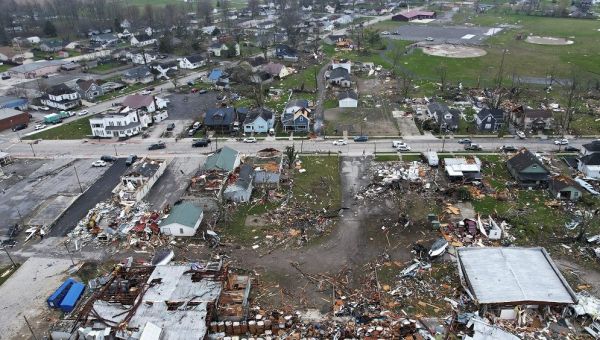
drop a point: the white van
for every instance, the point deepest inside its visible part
(432, 158)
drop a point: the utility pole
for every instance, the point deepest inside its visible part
(77, 176)
(9, 257)
(30, 329)
(115, 146)
(69, 252)
(31, 145)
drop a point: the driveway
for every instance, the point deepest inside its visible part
(319, 111)
(99, 191)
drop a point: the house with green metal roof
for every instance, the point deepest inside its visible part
(225, 158)
(183, 220)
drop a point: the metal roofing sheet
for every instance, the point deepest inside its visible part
(510, 275)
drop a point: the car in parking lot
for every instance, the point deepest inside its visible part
(40, 126)
(571, 148)
(130, 160)
(562, 141)
(508, 148)
(473, 147)
(83, 112)
(108, 158)
(361, 139)
(249, 140)
(464, 141)
(200, 143)
(340, 142)
(19, 127)
(157, 146)
(99, 163)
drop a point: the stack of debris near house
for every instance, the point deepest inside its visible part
(176, 301)
(390, 175)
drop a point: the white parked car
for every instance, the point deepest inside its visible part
(403, 147)
(562, 141)
(40, 126)
(429, 39)
(98, 164)
(340, 142)
(250, 140)
(44, 108)
(83, 112)
(145, 92)
(385, 33)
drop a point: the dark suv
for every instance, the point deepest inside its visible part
(19, 127)
(130, 160)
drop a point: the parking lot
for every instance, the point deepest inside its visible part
(38, 191)
(445, 34)
(190, 106)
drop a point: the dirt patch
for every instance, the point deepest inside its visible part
(534, 39)
(453, 51)
(369, 121)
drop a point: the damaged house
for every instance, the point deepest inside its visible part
(564, 188)
(501, 279)
(339, 77)
(589, 165)
(136, 183)
(527, 169)
(239, 188)
(225, 158)
(183, 220)
(268, 165)
(534, 119)
(466, 169)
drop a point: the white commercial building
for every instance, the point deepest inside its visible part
(125, 123)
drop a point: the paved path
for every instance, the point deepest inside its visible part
(321, 92)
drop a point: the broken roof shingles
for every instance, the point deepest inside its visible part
(513, 275)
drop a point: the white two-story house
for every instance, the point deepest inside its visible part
(125, 123)
(191, 62)
(61, 97)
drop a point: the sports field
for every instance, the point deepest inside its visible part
(522, 59)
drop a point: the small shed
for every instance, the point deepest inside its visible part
(565, 188)
(183, 220)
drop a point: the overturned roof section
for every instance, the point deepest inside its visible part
(512, 276)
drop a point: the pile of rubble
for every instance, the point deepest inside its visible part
(390, 175)
(109, 223)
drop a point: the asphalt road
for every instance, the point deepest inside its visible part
(99, 191)
(183, 148)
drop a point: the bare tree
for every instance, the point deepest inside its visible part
(253, 6)
(442, 72)
(205, 8)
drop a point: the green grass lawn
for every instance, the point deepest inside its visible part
(386, 158)
(522, 58)
(105, 68)
(4, 67)
(320, 186)
(77, 129)
(306, 77)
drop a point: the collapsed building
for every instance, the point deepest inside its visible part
(164, 302)
(268, 167)
(137, 182)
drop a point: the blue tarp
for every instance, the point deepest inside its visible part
(70, 300)
(56, 298)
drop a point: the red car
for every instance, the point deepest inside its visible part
(194, 90)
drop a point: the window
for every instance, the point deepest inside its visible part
(181, 231)
(488, 126)
(489, 119)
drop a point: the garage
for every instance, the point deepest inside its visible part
(12, 117)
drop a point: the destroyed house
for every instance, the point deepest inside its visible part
(136, 183)
(175, 301)
(527, 169)
(466, 169)
(565, 188)
(591, 147)
(206, 188)
(239, 188)
(268, 165)
(499, 279)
